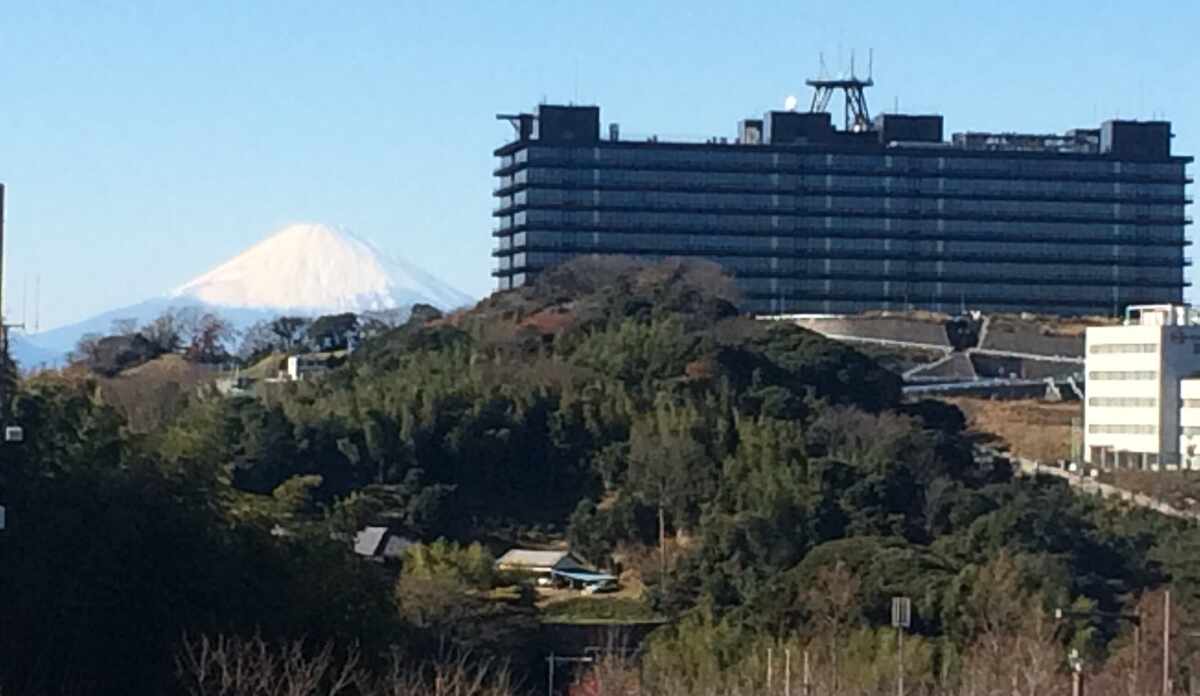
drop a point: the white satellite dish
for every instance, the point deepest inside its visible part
(790, 103)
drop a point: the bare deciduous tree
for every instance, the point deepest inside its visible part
(1015, 651)
(831, 600)
(232, 666)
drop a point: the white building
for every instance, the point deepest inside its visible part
(301, 367)
(1143, 390)
(540, 562)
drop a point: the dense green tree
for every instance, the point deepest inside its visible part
(618, 402)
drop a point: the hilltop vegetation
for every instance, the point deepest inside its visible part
(766, 484)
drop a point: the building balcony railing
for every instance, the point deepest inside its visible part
(897, 191)
(854, 170)
(978, 280)
(919, 213)
(894, 256)
(899, 235)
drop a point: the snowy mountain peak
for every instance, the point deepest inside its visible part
(312, 268)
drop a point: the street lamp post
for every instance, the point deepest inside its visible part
(901, 619)
(1134, 618)
(1166, 654)
(1076, 673)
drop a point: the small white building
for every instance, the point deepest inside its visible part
(301, 367)
(1143, 390)
(559, 568)
(539, 562)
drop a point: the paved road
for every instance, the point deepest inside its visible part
(1086, 484)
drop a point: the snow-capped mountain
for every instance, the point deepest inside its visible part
(302, 269)
(315, 269)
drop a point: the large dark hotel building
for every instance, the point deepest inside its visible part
(880, 213)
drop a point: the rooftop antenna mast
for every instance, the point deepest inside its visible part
(3, 326)
(10, 434)
(857, 115)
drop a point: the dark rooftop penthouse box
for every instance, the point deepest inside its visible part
(790, 127)
(568, 124)
(898, 128)
(1148, 140)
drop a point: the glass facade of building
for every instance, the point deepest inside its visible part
(847, 222)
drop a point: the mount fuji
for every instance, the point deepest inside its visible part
(303, 269)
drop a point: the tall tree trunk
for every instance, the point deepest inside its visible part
(662, 542)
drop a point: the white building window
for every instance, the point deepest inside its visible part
(1125, 401)
(1100, 375)
(1121, 429)
(1123, 348)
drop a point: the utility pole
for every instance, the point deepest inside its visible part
(807, 676)
(1137, 656)
(901, 619)
(787, 672)
(3, 327)
(3, 331)
(1132, 617)
(768, 670)
(1166, 654)
(5, 433)
(662, 542)
(1076, 673)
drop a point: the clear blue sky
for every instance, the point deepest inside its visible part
(142, 143)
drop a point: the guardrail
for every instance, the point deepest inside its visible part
(1087, 484)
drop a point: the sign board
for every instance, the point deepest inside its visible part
(14, 433)
(901, 612)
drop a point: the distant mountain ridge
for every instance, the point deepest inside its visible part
(303, 269)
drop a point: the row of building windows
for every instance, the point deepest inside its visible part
(791, 184)
(750, 159)
(740, 260)
(956, 162)
(1121, 401)
(954, 292)
(785, 205)
(842, 297)
(988, 229)
(1124, 242)
(1105, 348)
(1121, 429)
(900, 247)
(1119, 375)
(830, 304)
(780, 220)
(766, 279)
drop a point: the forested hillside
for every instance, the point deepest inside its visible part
(768, 485)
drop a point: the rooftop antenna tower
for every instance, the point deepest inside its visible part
(3, 326)
(857, 116)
